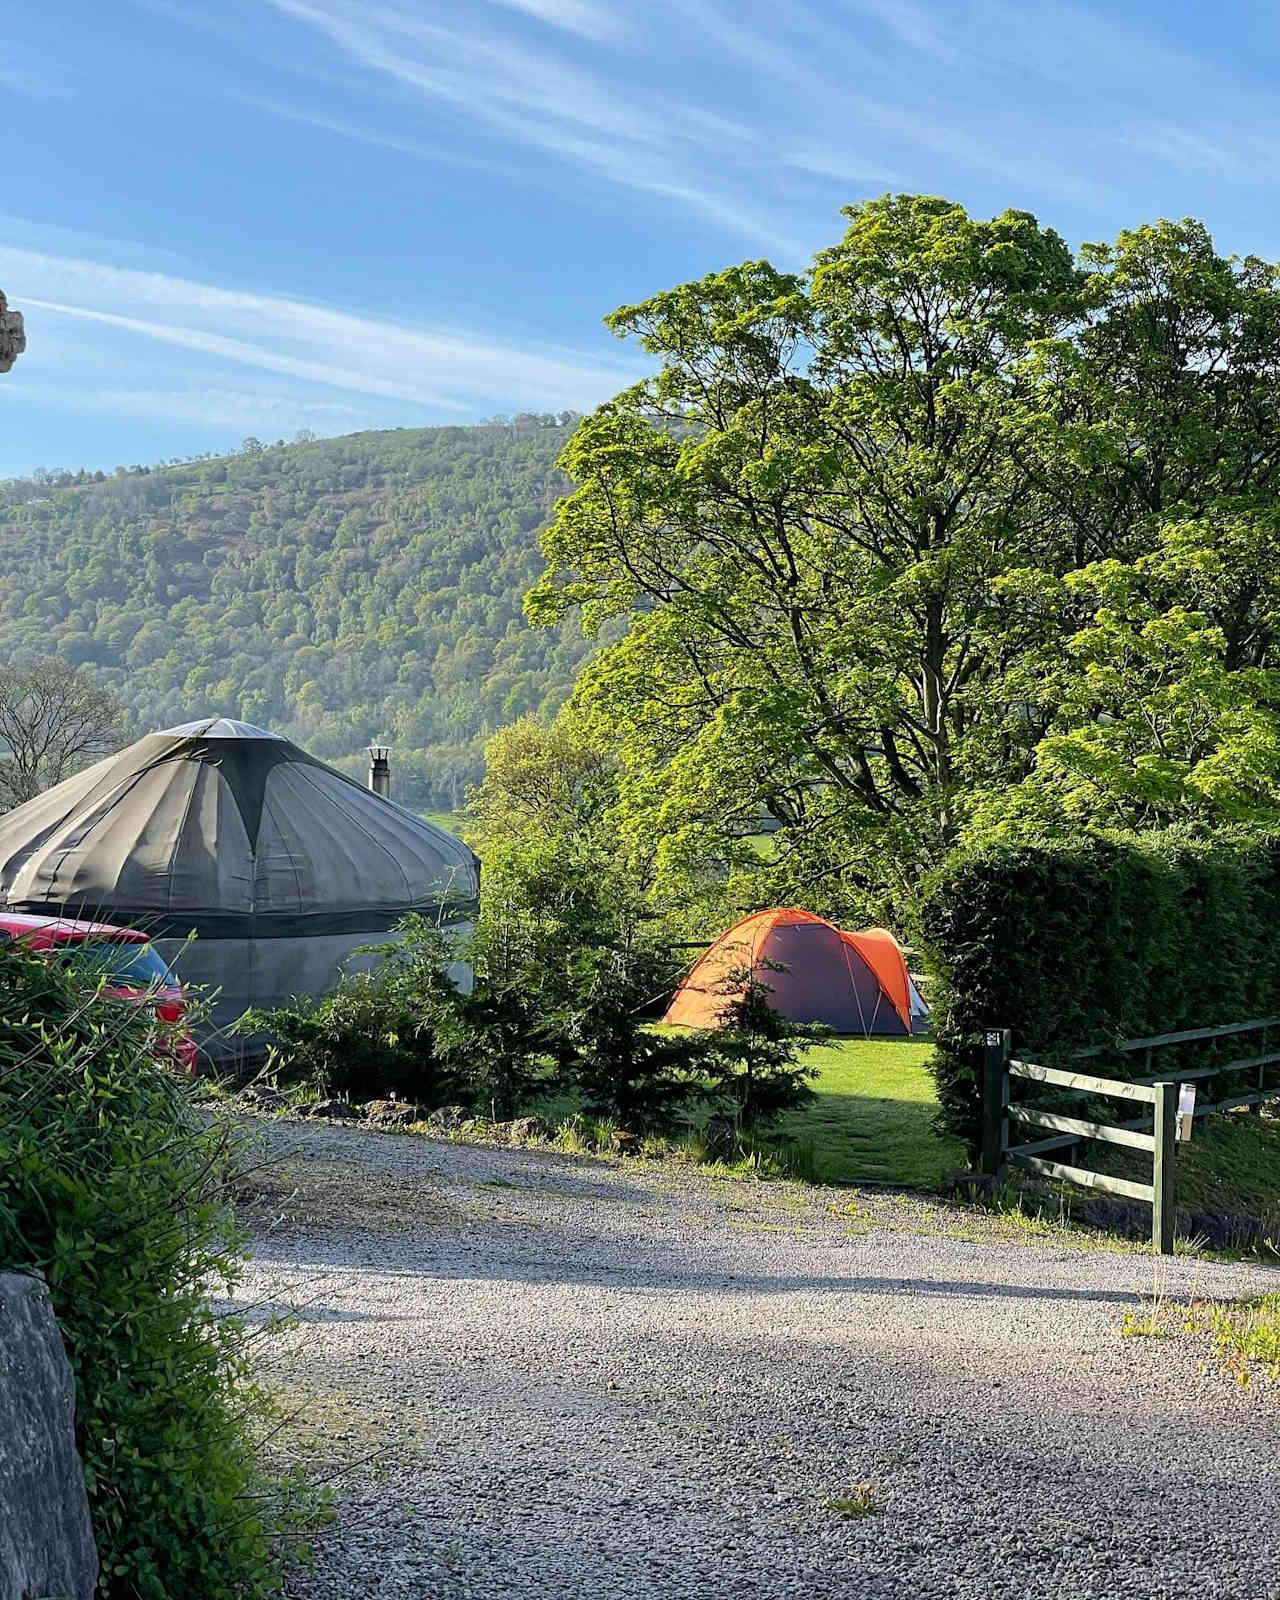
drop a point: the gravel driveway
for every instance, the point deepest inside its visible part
(581, 1378)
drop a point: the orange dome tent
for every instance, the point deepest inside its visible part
(854, 982)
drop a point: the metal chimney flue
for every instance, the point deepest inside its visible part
(380, 770)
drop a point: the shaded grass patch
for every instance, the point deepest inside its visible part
(873, 1114)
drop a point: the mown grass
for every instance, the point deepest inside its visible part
(450, 821)
(873, 1113)
(1231, 1163)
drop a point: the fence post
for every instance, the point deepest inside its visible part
(1166, 1131)
(995, 1100)
(1255, 1110)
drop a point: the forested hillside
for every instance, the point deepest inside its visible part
(336, 590)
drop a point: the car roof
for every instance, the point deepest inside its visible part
(65, 930)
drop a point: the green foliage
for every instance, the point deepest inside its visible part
(861, 1501)
(949, 516)
(1075, 943)
(495, 1036)
(337, 591)
(622, 1067)
(373, 1034)
(541, 784)
(755, 1068)
(1249, 1337)
(1156, 683)
(110, 1186)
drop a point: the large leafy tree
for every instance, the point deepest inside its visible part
(832, 514)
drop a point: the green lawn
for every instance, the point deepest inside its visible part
(448, 820)
(875, 1101)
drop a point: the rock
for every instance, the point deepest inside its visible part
(448, 1118)
(721, 1135)
(46, 1539)
(969, 1185)
(13, 341)
(392, 1113)
(524, 1130)
(260, 1098)
(342, 1109)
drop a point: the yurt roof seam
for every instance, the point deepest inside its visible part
(378, 844)
(293, 865)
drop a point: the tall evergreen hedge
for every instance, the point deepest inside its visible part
(1072, 944)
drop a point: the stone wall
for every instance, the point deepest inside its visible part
(46, 1540)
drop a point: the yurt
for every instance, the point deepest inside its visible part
(854, 982)
(279, 865)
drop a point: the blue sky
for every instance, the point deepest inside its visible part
(223, 218)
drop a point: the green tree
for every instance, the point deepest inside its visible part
(756, 1071)
(801, 513)
(823, 516)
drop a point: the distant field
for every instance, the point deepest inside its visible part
(448, 820)
(871, 1118)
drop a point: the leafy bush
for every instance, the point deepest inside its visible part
(374, 1033)
(110, 1186)
(1071, 944)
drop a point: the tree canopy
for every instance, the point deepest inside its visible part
(338, 590)
(952, 517)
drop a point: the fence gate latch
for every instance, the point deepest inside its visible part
(1186, 1110)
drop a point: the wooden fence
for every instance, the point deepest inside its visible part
(1155, 1131)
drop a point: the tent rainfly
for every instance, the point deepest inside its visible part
(854, 982)
(281, 866)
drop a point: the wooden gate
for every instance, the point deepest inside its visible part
(1154, 1131)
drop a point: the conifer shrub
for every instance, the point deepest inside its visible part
(755, 1068)
(622, 1068)
(111, 1187)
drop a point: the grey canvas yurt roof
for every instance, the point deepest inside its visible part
(275, 861)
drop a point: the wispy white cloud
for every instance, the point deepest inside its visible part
(434, 154)
(844, 168)
(431, 368)
(258, 409)
(574, 16)
(1184, 148)
(529, 94)
(882, 74)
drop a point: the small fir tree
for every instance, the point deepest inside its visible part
(755, 1068)
(625, 1069)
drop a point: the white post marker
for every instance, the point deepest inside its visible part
(1186, 1110)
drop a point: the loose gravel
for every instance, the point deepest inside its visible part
(542, 1376)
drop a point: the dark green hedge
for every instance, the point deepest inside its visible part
(1076, 944)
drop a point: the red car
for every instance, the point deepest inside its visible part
(123, 960)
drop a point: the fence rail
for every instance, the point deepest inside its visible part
(1154, 1131)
